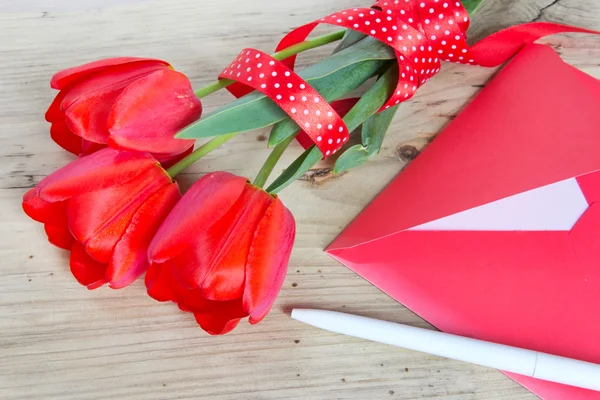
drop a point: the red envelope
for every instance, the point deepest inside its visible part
(493, 232)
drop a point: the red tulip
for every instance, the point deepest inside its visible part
(105, 208)
(222, 253)
(127, 103)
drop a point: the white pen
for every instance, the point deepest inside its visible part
(506, 358)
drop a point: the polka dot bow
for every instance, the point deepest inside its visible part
(422, 33)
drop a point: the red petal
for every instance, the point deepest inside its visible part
(99, 218)
(88, 147)
(168, 160)
(66, 77)
(151, 110)
(87, 271)
(89, 102)
(130, 257)
(62, 135)
(157, 282)
(59, 236)
(102, 169)
(201, 206)
(43, 211)
(222, 319)
(54, 113)
(227, 243)
(268, 259)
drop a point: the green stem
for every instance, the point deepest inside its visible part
(271, 161)
(280, 55)
(199, 153)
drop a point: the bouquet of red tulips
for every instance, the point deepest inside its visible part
(221, 250)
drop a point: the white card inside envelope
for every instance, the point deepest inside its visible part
(555, 207)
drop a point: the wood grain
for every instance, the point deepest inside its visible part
(59, 341)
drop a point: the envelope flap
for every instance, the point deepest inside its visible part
(534, 124)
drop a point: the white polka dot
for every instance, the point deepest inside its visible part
(356, 25)
(404, 27)
(287, 73)
(445, 5)
(361, 15)
(276, 85)
(389, 39)
(464, 50)
(437, 27)
(247, 59)
(367, 22)
(302, 86)
(305, 112)
(440, 51)
(412, 78)
(402, 12)
(350, 18)
(248, 69)
(471, 60)
(450, 55)
(372, 12)
(274, 73)
(389, 18)
(395, 27)
(422, 5)
(319, 138)
(377, 20)
(238, 74)
(457, 4)
(339, 140)
(398, 92)
(403, 75)
(405, 86)
(447, 32)
(292, 98)
(414, 48)
(422, 48)
(261, 76)
(307, 124)
(318, 112)
(404, 48)
(457, 37)
(345, 139)
(278, 97)
(419, 37)
(319, 126)
(389, 11)
(433, 37)
(259, 65)
(431, 10)
(384, 29)
(289, 85)
(249, 78)
(330, 141)
(457, 14)
(303, 98)
(444, 42)
(271, 62)
(257, 56)
(410, 20)
(450, 21)
(453, 46)
(427, 21)
(293, 110)
(465, 19)
(409, 37)
(316, 99)
(460, 58)
(373, 31)
(435, 59)
(400, 38)
(338, 21)
(239, 66)
(328, 152)
(423, 59)
(329, 113)
(441, 16)
(416, 60)
(263, 86)
(329, 126)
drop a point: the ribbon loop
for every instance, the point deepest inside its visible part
(313, 114)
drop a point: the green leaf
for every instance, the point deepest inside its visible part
(373, 132)
(369, 103)
(310, 157)
(472, 5)
(332, 77)
(350, 37)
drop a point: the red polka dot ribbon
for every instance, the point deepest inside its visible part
(421, 32)
(288, 90)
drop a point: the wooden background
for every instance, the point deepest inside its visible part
(60, 341)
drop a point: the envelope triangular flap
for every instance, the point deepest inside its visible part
(534, 124)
